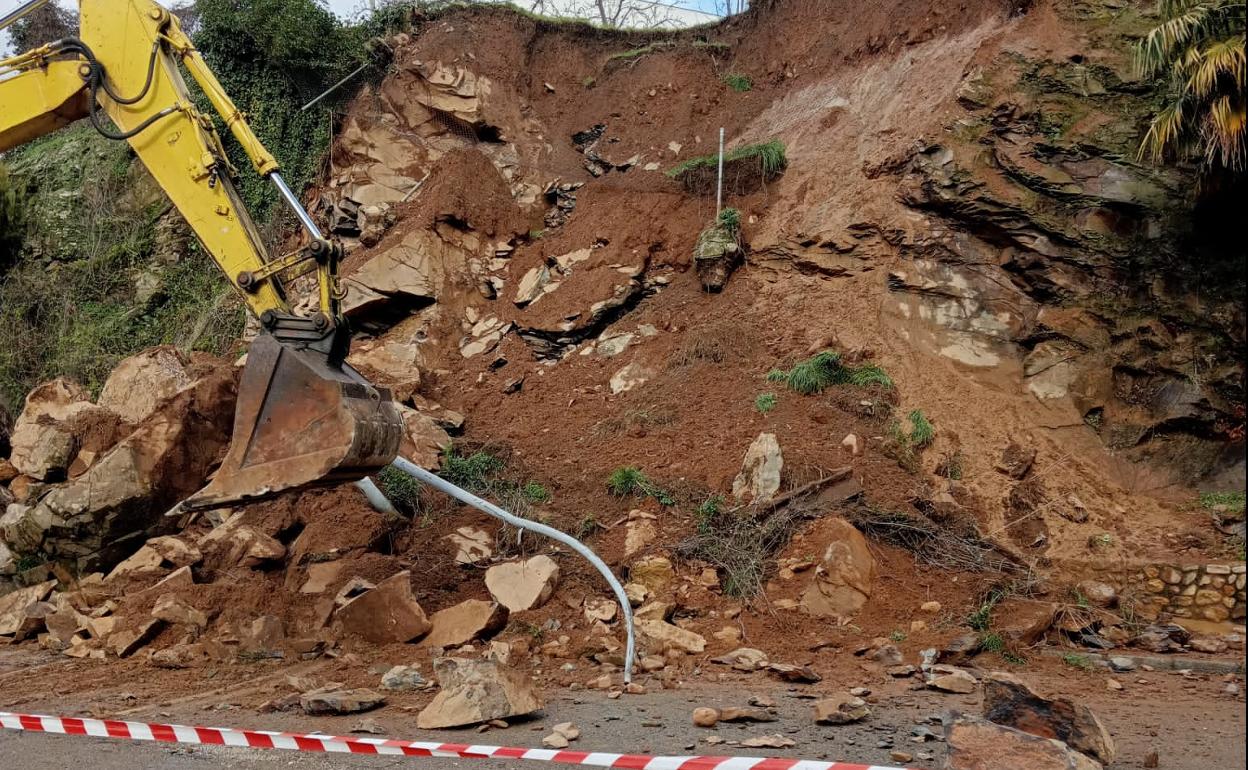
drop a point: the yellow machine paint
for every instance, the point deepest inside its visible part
(304, 416)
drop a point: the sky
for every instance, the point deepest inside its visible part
(698, 11)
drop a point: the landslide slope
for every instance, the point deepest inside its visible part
(959, 206)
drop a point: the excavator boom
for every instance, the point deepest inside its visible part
(304, 416)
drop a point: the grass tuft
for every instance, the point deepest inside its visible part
(628, 480)
(738, 83)
(765, 402)
(770, 155)
(401, 489)
(826, 369)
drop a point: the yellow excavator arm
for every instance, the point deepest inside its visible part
(304, 416)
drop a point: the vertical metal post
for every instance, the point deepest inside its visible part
(719, 186)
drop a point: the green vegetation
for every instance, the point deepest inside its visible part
(1234, 501)
(401, 489)
(12, 218)
(765, 402)
(474, 472)
(770, 156)
(1198, 51)
(629, 480)
(738, 83)
(536, 235)
(637, 53)
(921, 431)
(729, 219)
(92, 281)
(273, 56)
(1081, 662)
(897, 635)
(707, 511)
(826, 369)
(535, 493)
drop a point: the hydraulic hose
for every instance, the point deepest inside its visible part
(485, 506)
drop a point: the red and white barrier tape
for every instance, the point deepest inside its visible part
(264, 739)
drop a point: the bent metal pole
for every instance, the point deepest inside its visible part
(485, 506)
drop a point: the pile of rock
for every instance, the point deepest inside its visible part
(87, 481)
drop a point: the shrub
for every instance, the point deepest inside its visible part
(729, 219)
(738, 83)
(707, 511)
(765, 402)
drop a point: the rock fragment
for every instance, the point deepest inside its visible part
(477, 691)
(523, 585)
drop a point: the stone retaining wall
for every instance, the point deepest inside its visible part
(1212, 592)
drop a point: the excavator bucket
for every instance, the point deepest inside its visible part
(300, 421)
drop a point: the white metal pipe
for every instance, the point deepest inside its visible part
(485, 506)
(376, 497)
(719, 186)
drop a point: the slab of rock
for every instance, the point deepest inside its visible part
(631, 376)
(467, 621)
(841, 709)
(171, 609)
(404, 678)
(660, 636)
(424, 440)
(523, 585)
(654, 573)
(138, 384)
(235, 544)
(951, 679)
(841, 582)
(743, 659)
(977, 744)
(792, 672)
(759, 478)
(322, 702)
(387, 613)
(14, 605)
(131, 635)
(1023, 622)
(745, 714)
(1008, 701)
(475, 691)
(602, 610)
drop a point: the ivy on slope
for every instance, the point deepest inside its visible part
(272, 57)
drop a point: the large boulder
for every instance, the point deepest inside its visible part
(977, 744)
(387, 613)
(465, 622)
(1008, 701)
(99, 517)
(759, 478)
(841, 581)
(42, 443)
(477, 691)
(140, 383)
